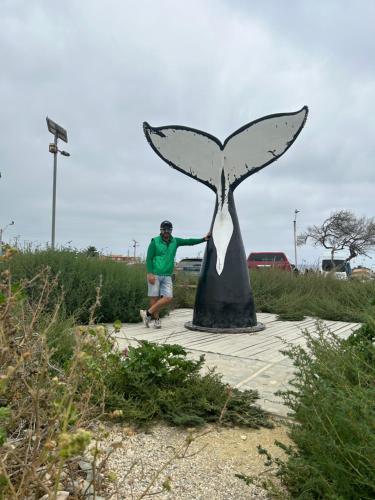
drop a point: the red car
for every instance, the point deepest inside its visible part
(264, 260)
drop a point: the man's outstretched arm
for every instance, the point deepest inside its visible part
(192, 241)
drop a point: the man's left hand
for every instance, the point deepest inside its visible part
(207, 237)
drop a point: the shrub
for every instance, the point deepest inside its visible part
(314, 295)
(291, 316)
(42, 407)
(333, 403)
(159, 382)
(184, 290)
(123, 288)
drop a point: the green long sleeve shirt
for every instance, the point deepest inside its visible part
(161, 254)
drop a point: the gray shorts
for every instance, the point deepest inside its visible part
(162, 287)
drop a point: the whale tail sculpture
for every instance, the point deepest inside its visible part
(224, 300)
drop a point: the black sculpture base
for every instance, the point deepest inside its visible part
(249, 329)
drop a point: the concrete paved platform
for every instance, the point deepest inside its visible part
(246, 360)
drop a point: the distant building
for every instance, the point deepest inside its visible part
(122, 258)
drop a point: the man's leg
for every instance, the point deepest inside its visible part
(153, 301)
(154, 295)
(159, 304)
(166, 293)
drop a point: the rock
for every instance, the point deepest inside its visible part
(117, 443)
(85, 466)
(129, 431)
(89, 476)
(243, 437)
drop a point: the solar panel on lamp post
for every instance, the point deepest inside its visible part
(59, 133)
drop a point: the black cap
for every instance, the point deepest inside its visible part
(166, 225)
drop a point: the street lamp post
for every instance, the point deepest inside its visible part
(59, 133)
(54, 192)
(295, 236)
(1, 235)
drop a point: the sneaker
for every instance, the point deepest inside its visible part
(157, 323)
(146, 319)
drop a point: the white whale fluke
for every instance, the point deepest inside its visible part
(223, 166)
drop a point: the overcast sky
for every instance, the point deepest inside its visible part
(101, 68)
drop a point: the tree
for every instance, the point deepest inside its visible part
(91, 251)
(343, 231)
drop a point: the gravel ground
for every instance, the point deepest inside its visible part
(206, 470)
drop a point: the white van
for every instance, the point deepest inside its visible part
(337, 266)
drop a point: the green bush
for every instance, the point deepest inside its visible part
(151, 381)
(314, 295)
(159, 382)
(291, 316)
(333, 407)
(184, 290)
(123, 288)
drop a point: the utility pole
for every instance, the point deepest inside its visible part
(295, 236)
(16, 238)
(135, 245)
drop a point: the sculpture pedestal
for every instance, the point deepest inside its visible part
(250, 329)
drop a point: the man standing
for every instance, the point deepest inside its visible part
(160, 263)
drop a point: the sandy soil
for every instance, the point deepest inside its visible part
(208, 471)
